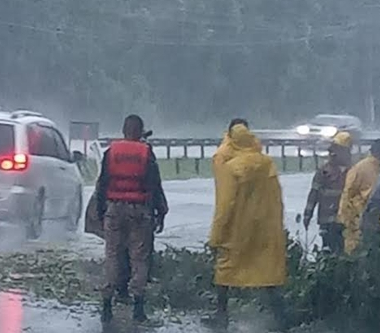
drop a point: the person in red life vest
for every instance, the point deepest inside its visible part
(160, 210)
(129, 193)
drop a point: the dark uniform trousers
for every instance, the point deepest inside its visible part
(128, 227)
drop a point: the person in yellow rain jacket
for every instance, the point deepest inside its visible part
(247, 230)
(360, 182)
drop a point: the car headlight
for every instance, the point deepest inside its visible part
(303, 130)
(329, 131)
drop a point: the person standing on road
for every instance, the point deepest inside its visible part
(160, 210)
(126, 198)
(360, 183)
(370, 224)
(247, 231)
(326, 190)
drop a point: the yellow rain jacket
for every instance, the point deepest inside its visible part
(248, 228)
(360, 182)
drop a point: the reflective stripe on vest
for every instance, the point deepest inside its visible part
(127, 167)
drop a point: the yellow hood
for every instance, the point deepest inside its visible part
(239, 138)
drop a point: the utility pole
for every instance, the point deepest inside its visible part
(369, 98)
(370, 103)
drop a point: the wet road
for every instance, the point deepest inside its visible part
(191, 209)
(187, 225)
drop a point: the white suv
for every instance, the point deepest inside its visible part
(39, 177)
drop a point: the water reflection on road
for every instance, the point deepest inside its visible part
(11, 313)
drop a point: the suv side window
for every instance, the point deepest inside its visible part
(63, 152)
(41, 141)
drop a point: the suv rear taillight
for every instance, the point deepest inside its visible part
(17, 162)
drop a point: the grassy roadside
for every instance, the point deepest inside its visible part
(186, 168)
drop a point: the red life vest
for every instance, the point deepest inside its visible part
(127, 167)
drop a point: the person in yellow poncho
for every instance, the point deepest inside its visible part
(360, 182)
(247, 229)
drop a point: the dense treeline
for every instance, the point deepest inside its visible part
(190, 61)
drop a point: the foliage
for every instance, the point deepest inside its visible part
(335, 286)
(47, 273)
(327, 288)
(185, 279)
(189, 62)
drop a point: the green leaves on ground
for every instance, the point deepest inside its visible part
(325, 288)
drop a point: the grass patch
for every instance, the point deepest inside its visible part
(192, 168)
(187, 168)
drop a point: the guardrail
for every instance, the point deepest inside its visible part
(268, 144)
(203, 143)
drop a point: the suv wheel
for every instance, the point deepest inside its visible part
(34, 223)
(75, 212)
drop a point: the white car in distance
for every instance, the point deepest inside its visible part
(39, 177)
(325, 126)
(320, 130)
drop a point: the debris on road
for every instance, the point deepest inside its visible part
(48, 274)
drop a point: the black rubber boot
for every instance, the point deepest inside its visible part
(278, 307)
(139, 315)
(107, 315)
(219, 319)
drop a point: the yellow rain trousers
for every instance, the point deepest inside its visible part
(360, 182)
(247, 229)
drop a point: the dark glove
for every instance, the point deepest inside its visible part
(159, 223)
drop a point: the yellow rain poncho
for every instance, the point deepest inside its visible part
(247, 230)
(360, 182)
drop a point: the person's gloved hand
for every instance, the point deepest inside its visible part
(159, 223)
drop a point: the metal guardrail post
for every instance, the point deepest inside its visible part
(185, 154)
(177, 166)
(202, 151)
(197, 164)
(316, 159)
(283, 157)
(300, 159)
(168, 151)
